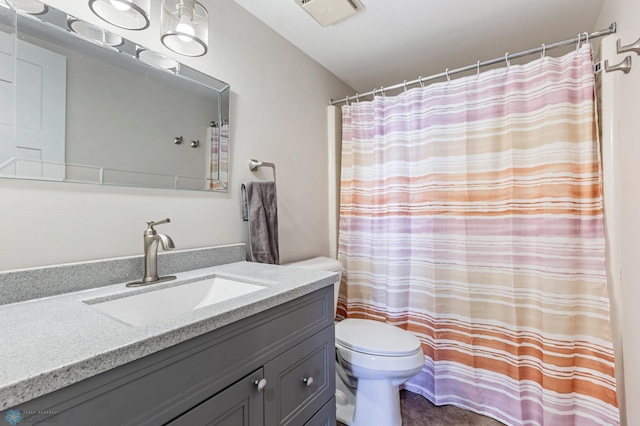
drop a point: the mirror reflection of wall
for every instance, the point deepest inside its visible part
(120, 117)
(123, 120)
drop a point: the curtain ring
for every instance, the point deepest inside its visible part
(578, 43)
(420, 80)
(506, 59)
(382, 91)
(544, 51)
(478, 69)
(586, 36)
(347, 101)
(447, 74)
(357, 97)
(405, 85)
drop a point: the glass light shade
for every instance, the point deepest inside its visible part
(156, 59)
(32, 7)
(184, 25)
(128, 14)
(93, 32)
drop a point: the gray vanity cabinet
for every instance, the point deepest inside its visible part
(214, 378)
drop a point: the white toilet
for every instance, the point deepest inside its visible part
(372, 360)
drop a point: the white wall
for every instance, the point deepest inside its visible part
(627, 15)
(278, 113)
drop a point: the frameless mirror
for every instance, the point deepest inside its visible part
(77, 110)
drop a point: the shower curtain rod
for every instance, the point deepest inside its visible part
(543, 48)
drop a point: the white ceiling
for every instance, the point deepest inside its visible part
(396, 40)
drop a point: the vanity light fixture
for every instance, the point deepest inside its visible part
(127, 14)
(32, 7)
(184, 26)
(156, 59)
(93, 32)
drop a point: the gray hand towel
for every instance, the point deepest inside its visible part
(260, 209)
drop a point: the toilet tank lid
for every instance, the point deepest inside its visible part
(320, 263)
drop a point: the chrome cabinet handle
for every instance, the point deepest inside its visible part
(308, 381)
(260, 384)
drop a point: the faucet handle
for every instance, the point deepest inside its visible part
(160, 222)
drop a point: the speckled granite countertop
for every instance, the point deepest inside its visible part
(50, 343)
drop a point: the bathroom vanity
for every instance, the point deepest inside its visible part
(266, 358)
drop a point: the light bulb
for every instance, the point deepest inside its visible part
(185, 27)
(120, 5)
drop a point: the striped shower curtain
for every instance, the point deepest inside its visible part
(471, 215)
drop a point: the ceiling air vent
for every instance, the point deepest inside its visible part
(328, 12)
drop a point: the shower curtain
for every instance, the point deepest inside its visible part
(471, 215)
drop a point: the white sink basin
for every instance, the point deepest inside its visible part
(152, 306)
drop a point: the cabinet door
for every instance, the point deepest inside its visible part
(300, 381)
(241, 404)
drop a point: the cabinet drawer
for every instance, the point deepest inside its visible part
(241, 404)
(301, 381)
(326, 416)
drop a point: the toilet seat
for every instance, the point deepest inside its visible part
(362, 365)
(375, 338)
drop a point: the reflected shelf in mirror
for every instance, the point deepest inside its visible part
(24, 168)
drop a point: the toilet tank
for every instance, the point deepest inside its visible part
(322, 263)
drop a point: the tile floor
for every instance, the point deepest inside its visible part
(418, 411)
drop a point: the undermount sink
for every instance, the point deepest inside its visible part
(146, 308)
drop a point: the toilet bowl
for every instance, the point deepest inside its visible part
(372, 360)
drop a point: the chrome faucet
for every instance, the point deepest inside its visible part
(151, 241)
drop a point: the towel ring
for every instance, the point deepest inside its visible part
(255, 164)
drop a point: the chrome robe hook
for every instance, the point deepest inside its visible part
(624, 66)
(633, 47)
